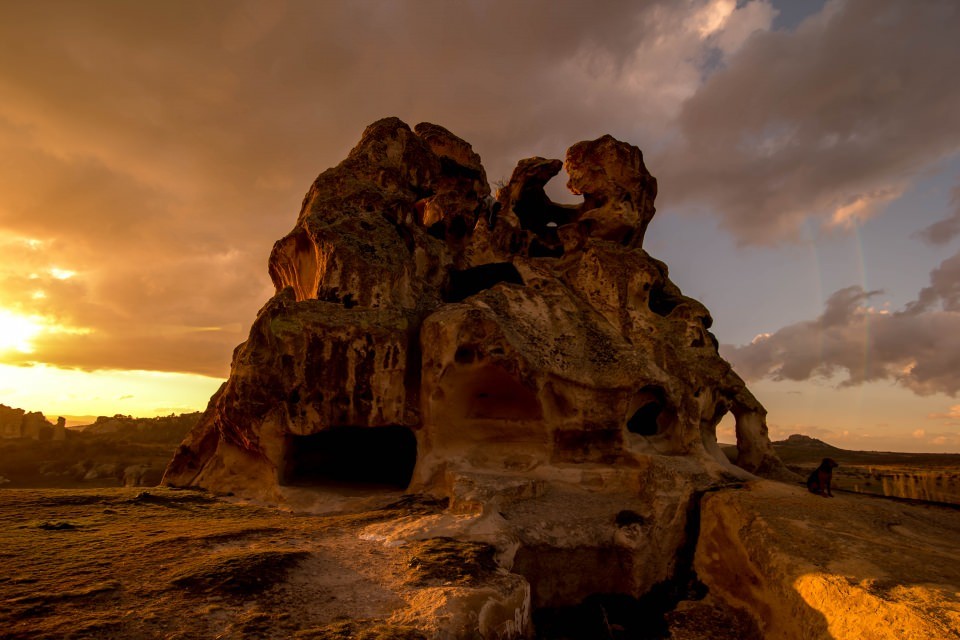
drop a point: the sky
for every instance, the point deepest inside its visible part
(807, 152)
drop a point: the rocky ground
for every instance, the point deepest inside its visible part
(854, 566)
(772, 561)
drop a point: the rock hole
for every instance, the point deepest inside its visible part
(465, 355)
(662, 303)
(652, 416)
(537, 213)
(351, 458)
(458, 228)
(467, 282)
(438, 230)
(626, 517)
(720, 421)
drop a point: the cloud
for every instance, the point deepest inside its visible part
(158, 149)
(943, 231)
(917, 347)
(159, 153)
(951, 416)
(831, 120)
(944, 289)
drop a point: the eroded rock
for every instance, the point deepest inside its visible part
(852, 567)
(520, 357)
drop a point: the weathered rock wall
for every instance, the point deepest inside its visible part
(507, 336)
(928, 486)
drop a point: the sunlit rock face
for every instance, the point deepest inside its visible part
(424, 334)
(17, 423)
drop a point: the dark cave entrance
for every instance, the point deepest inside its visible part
(361, 458)
(652, 414)
(464, 283)
(661, 302)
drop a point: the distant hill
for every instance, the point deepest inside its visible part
(801, 441)
(925, 477)
(114, 451)
(800, 449)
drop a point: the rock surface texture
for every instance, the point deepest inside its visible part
(851, 567)
(526, 360)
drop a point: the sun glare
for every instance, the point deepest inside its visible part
(16, 332)
(62, 274)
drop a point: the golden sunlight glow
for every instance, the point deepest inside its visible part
(713, 16)
(61, 274)
(71, 392)
(16, 332)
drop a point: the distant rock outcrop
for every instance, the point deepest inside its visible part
(17, 423)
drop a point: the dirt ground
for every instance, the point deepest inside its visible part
(128, 563)
(177, 564)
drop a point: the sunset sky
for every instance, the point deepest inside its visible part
(808, 156)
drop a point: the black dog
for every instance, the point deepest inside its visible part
(819, 481)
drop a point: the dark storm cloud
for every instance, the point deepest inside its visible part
(918, 347)
(157, 149)
(943, 231)
(944, 289)
(830, 120)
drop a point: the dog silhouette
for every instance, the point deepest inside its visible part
(819, 481)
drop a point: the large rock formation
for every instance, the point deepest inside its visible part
(467, 334)
(527, 360)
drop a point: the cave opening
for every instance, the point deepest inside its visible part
(661, 302)
(361, 458)
(539, 214)
(652, 414)
(464, 283)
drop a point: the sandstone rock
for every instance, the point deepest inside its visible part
(551, 339)
(17, 423)
(521, 358)
(851, 567)
(618, 190)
